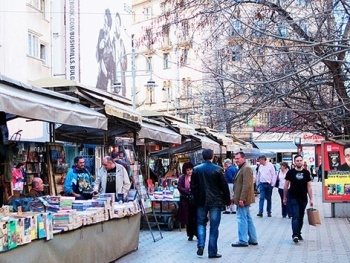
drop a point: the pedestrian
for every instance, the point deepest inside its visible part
(187, 210)
(266, 179)
(319, 173)
(243, 196)
(230, 173)
(281, 178)
(298, 186)
(211, 194)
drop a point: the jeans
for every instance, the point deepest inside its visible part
(265, 193)
(215, 218)
(298, 211)
(246, 228)
(285, 208)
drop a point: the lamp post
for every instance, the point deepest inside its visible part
(150, 85)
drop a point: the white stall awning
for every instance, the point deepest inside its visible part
(48, 106)
(158, 133)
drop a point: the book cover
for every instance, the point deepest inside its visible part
(334, 160)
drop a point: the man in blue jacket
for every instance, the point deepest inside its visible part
(211, 194)
(230, 173)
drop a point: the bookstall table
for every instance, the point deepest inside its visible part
(102, 242)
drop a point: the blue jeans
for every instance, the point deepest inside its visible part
(215, 218)
(246, 228)
(285, 208)
(265, 190)
(298, 211)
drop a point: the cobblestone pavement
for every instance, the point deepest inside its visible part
(329, 242)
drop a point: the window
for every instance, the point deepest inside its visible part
(151, 96)
(149, 38)
(185, 30)
(282, 31)
(43, 53)
(38, 4)
(236, 27)
(302, 3)
(149, 64)
(236, 53)
(165, 31)
(162, 8)
(184, 57)
(303, 26)
(147, 12)
(36, 49)
(33, 45)
(166, 61)
(260, 28)
(186, 89)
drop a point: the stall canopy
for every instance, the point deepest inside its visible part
(277, 146)
(30, 102)
(113, 105)
(208, 143)
(158, 133)
(186, 147)
(122, 119)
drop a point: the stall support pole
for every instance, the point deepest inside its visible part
(52, 132)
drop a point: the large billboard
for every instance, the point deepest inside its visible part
(336, 171)
(98, 41)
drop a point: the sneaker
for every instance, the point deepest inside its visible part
(200, 251)
(269, 215)
(300, 238)
(233, 212)
(260, 214)
(295, 239)
(227, 212)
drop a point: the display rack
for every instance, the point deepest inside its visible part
(35, 167)
(57, 167)
(146, 207)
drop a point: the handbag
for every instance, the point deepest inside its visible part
(277, 180)
(313, 216)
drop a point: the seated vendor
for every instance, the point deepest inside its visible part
(37, 188)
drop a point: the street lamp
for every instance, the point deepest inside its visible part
(150, 85)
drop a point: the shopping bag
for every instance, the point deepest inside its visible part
(313, 216)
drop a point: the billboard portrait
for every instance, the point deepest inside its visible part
(336, 171)
(105, 41)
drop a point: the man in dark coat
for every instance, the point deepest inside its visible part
(211, 194)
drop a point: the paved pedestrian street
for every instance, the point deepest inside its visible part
(329, 242)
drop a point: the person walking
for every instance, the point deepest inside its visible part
(266, 179)
(211, 194)
(243, 196)
(187, 210)
(230, 173)
(281, 178)
(298, 186)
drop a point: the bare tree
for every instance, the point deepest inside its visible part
(280, 65)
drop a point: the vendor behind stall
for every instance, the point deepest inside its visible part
(78, 182)
(112, 178)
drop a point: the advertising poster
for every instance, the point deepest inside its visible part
(336, 172)
(104, 42)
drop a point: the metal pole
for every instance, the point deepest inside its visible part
(133, 74)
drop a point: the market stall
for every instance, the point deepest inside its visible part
(101, 242)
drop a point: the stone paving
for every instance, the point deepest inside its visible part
(329, 242)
